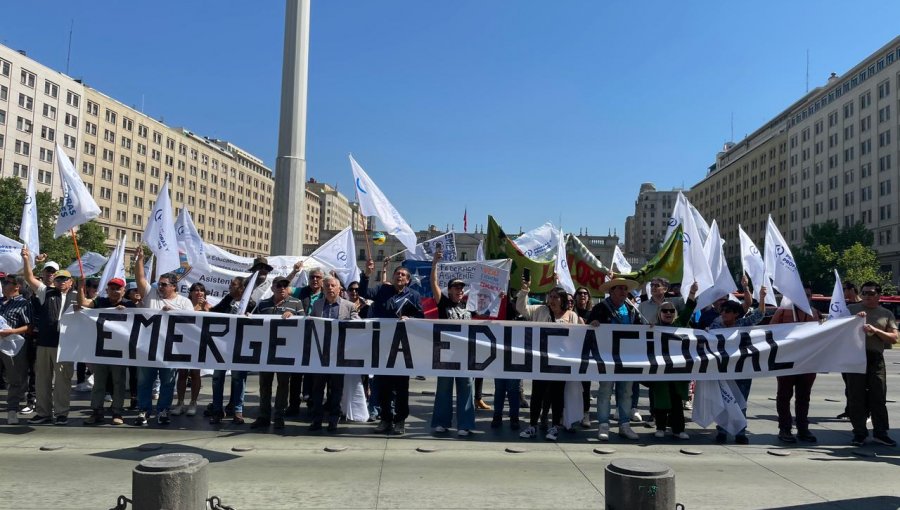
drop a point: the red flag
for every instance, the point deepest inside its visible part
(466, 219)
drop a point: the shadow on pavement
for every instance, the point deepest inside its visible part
(873, 503)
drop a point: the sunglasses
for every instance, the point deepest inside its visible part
(163, 284)
(667, 310)
(869, 293)
(353, 289)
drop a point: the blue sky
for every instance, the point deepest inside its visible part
(527, 110)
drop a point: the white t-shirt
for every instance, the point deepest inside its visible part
(177, 302)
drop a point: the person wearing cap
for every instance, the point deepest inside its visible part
(46, 275)
(615, 309)
(451, 306)
(393, 300)
(16, 313)
(53, 378)
(115, 298)
(262, 267)
(163, 297)
(286, 306)
(231, 303)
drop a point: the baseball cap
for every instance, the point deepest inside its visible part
(116, 281)
(456, 281)
(62, 274)
(51, 265)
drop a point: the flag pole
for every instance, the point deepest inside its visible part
(78, 255)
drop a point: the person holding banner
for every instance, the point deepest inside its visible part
(231, 303)
(392, 301)
(52, 378)
(163, 297)
(583, 309)
(197, 295)
(868, 391)
(542, 390)
(797, 386)
(115, 292)
(15, 314)
(851, 296)
(451, 306)
(301, 384)
(730, 316)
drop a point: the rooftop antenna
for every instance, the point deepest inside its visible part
(69, 50)
(807, 69)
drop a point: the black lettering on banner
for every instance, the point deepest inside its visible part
(207, 334)
(546, 367)
(590, 350)
(474, 330)
(748, 350)
(773, 353)
(342, 360)
(323, 344)
(276, 340)
(685, 344)
(255, 346)
(172, 338)
(651, 353)
(704, 351)
(103, 335)
(438, 345)
(376, 344)
(139, 322)
(617, 337)
(508, 365)
(398, 345)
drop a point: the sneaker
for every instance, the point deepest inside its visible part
(884, 439)
(177, 410)
(688, 405)
(514, 424)
(636, 415)
(155, 396)
(28, 409)
(383, 427)
(399, 428)
(625, 430)
(806, 436)
(785, 436)
(603, 432)
(721, 438)
(659, 434)
(682, 435)
(107, 398)
(552, 433)
(163, 417)
(858, 440)
(440, 430)
(61, 420)
(12, 418)
(586, 421)
(39, 420)
(496, 422)
(741, 439)
(482, 405)
(117, 420)
(260, 423)
(529, 433)
(191, 410)
(463, 432)
(83, 387)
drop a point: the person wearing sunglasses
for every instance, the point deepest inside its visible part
(668, 396)
(361, 304)
(868, 391)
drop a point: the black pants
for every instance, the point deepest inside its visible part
(672, 417)
(547, 391)
(391, 387)
(295, 390)
(586, 395)
(479, 386)
(265, 394)
(330, 404)
(866, 395)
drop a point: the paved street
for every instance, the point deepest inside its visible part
(88, 467)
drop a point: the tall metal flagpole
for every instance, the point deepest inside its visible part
(289, 215)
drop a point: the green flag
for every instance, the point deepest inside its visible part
(668, 262)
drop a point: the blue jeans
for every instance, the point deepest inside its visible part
(635, 394)
(744, 387)
(146, 378)
(238, 385)
(442, 414)
(623, 401)
(504, 388)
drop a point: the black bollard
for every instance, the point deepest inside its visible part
(633, 484)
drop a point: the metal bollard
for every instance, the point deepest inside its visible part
(633, 484)
(173, 481)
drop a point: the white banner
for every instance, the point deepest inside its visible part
(10, 255)
(115, 267)
(92, 263)
(497, 349)
(77, 205)
(539, 244)
(217, 257)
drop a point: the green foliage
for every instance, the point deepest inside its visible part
(827, 247)
(859, 264)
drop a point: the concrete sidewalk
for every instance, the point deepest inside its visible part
(88, 467)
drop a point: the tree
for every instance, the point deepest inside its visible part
(823, 250)
(859, 264)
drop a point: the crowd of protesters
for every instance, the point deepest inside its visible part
(39, 387)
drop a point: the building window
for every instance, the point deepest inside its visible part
(72, 99)
(27, 78)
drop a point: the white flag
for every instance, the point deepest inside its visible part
(148, 266)
(619, 260)
(539, 244)
(703, 228)
(723, 281)
(91, 262)
(10, 255)
(696, 267)
(781, 266)
(28, 231)
(425, 250)
(115, 267)
(160, 234)
(248, 291)
(372, 202)
(753, 264)
(78, 206)
(719, 402)
(563, 276)
(479, 253)
(189, 240)
(339, 253)
(838, 306)
(217, 257)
